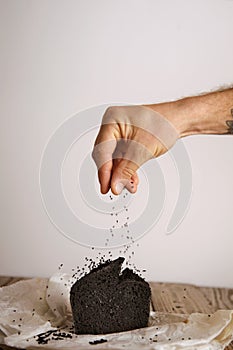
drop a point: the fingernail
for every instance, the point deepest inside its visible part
(119, 187)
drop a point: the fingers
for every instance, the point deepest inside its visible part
(124, 170)
(119, 166)
(104, 175)
(123, 175)
(132, 186)
(104, 148)
(118, 162)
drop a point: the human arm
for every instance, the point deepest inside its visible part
(131, 135)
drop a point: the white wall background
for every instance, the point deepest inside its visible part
(59, 57)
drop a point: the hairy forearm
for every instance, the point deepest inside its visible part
(204, 114)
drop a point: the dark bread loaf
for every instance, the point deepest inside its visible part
(107, 301)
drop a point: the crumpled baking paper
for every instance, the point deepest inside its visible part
(31, 307)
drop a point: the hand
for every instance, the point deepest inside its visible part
(129, 136)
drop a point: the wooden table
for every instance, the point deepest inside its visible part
(176, 298)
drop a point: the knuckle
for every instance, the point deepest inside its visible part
(95, 154)
(110, 113)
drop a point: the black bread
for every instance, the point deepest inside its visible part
(107, 301)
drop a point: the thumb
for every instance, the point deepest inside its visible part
(136, 153)
(122, 176)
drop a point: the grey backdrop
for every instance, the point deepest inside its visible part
(60, 57)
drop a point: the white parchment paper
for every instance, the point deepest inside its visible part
(31, 307)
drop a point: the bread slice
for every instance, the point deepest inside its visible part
(108, 301)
